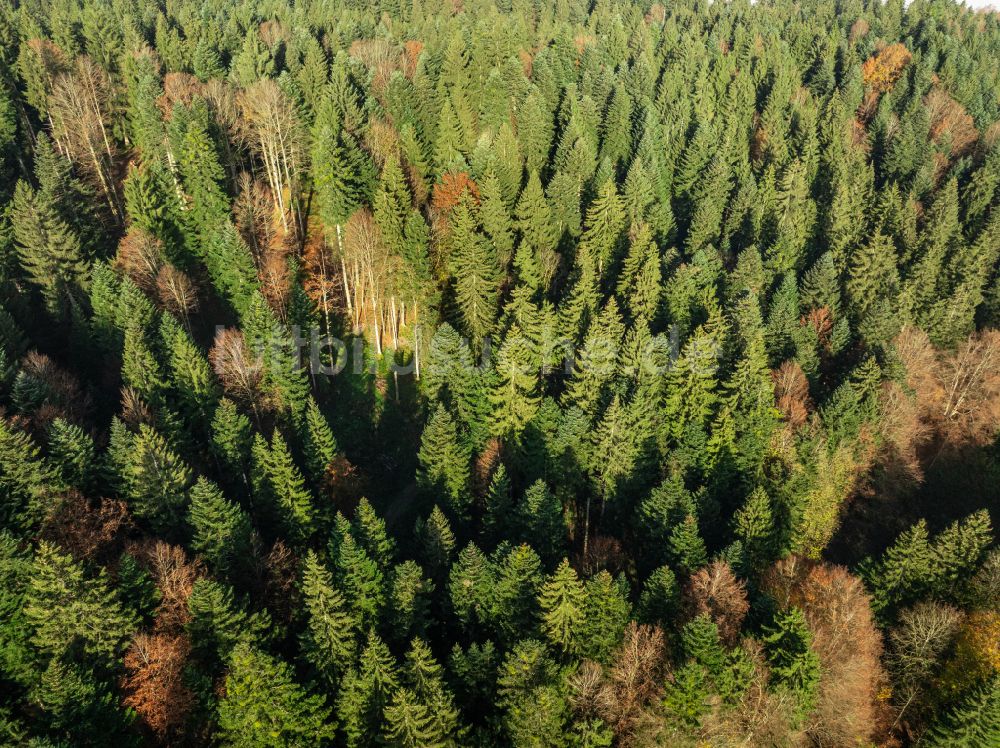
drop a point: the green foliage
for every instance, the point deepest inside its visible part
(264, 706)
(73, 614)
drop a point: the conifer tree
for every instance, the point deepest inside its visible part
(369, 530)
(660, 597)
(687, 549)
(359, 576)
(541, 517)
(444, 462)
(496, 220)
(319, 445)
(366, 692)
(156, 480)
(794, 665)
(515, 399)
(328, 642)
(409, 723)
(49, 250)
(230, 441)
(470, 587)
(437, 541)
(606, 613)
(410, 600)
(473, 265)
(973, 723)
(68, 611)
(562, 600)
(515, 594)
(73, 455)
(221, 530)
(279, 484)
(219, 623)
(265, 706)
(534, 222)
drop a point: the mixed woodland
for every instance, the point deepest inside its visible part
(457, 373)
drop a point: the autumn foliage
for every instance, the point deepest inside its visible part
(838, 613)
(881, 71)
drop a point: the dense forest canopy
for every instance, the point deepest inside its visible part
(459, 373)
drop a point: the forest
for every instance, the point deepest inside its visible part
(499, 373)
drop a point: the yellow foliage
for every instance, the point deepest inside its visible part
(880, 72)
(977, 652)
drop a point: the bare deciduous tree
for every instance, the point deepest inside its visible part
(177, 293)
(270, 127)
(238, 369)
(140, 256)
(80, 107)
(715, 590)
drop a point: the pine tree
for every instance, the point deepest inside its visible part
(328, 642)
(562, 600)
(253, 62)
(264, 706)
(902, 574)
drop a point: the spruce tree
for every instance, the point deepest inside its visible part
(328, 640)
(69, 612)
(444, 463)
(562, 601)
(794, 665)
(220, 530)
(515, 399)
(540, 515)
(515, 594)
(264, 706)
(49, 250)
